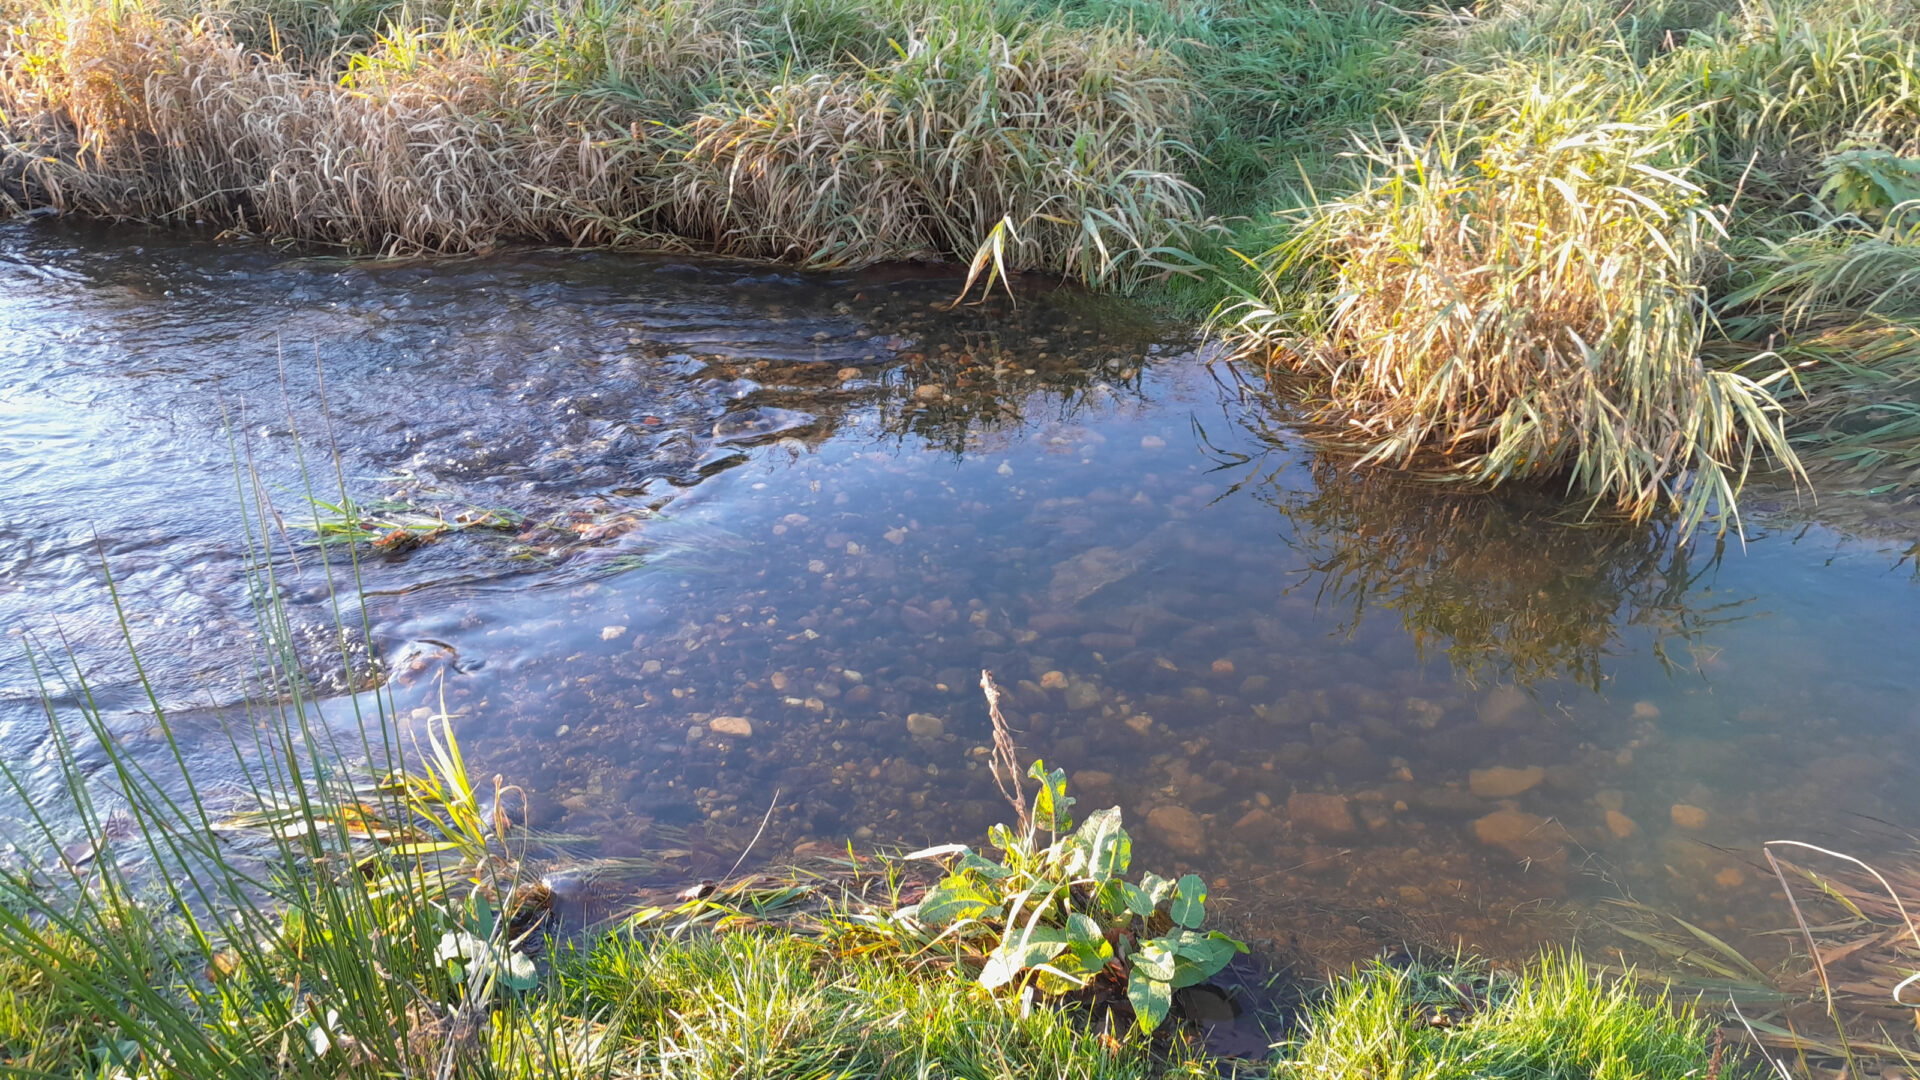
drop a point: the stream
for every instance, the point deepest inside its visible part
(765, 528)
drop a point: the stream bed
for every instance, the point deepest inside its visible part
(768, 528)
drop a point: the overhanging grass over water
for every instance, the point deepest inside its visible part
(1641, 249)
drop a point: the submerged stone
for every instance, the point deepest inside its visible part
(1504, 781)
(1528, 836)
(1179, 828)
(1688, 817)
(1323, 814)
(1504, 705)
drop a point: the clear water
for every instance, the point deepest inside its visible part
(1371, 709)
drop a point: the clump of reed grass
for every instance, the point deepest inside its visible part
(434, 143)
(668, 126)
(1519, 295)
(1070, 136)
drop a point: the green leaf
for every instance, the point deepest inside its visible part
(480, 917)
(1005, 963)
(1155, 958)
(986, 868)
(1157, 887)
(1197, 957)
(1102, 849)
(955, 898)
(1051, 805)
(1139, 901)
(1189, 906)
(519, 973)
(1001, 837)
(1081, 928)
(1152, 999)
(1110, 899)
(1085, 958)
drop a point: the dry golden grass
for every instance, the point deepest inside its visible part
(1523, 298)
(656, 126)
(135, 116)
(1071, 136)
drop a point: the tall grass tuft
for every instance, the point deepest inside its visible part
(1071, 135)
(683, 122)
(1555, 1018)
(1519, 295)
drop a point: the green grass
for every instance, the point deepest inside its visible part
(771, 1002)
(1553, 1021)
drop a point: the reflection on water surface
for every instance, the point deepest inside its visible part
(776, 524)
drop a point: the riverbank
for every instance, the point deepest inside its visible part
(400, 926)
(1637, 251)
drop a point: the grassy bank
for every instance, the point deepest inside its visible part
(350, 900)
(768, 1003)
(1636, 249)
(398, 928)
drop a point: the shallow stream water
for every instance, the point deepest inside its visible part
(773, 526)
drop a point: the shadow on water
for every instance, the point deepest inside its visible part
(1507, 587)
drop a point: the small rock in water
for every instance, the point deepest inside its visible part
(925, 725)
(1255, 826)
(1527, 835)
(1689, 817)
(1223, 667)
(1621, 825)
(1316, 812)
(1082, 695)
(895, 535)
(1178, 828)
(1094, 785)
(1005, 469)
(1503, 705)
(737, 726)
(1350, 753)
(1054, 680)
(1140, 723)
(1153, 442)
(608, 633)
(1730, 878)
(848, 374)
(927, 392)
(1504, 781)
(1646, 710)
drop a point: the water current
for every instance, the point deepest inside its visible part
(770, 527)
